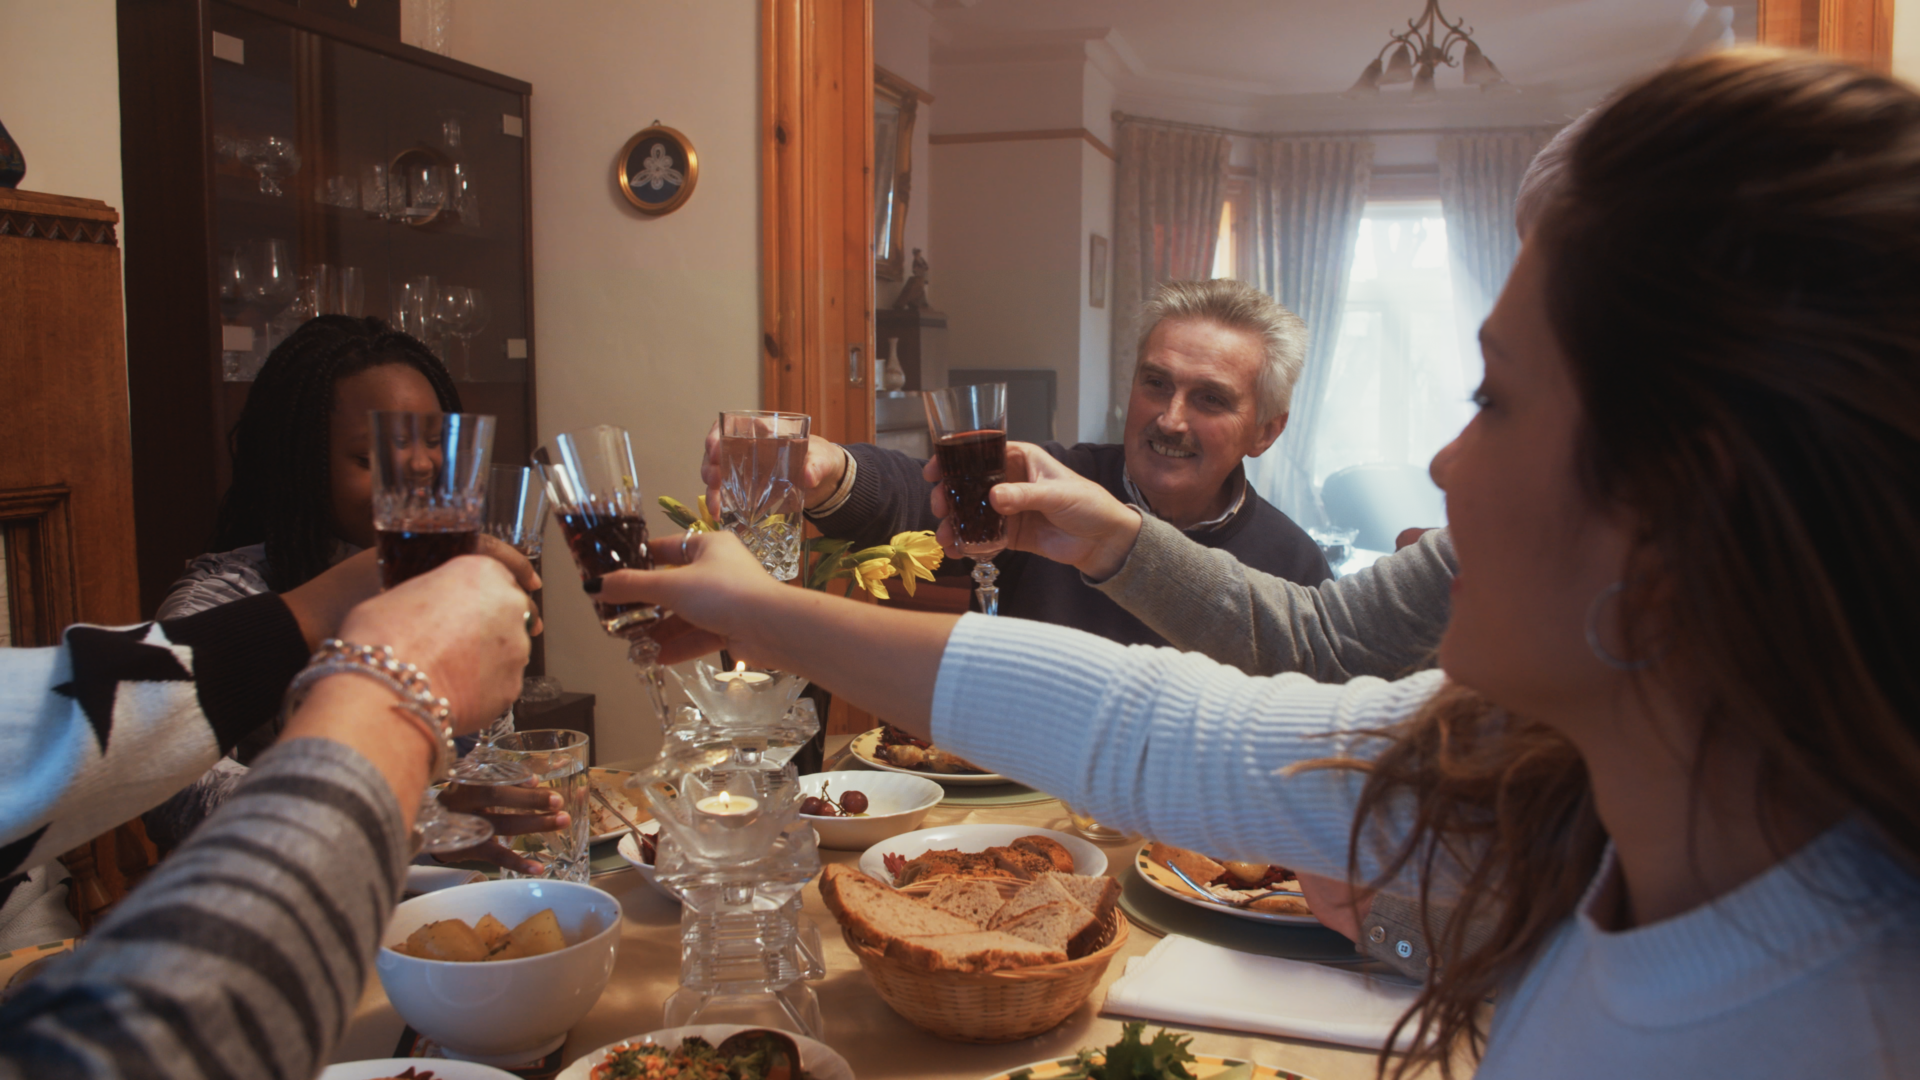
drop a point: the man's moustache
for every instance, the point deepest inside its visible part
(1163, 439)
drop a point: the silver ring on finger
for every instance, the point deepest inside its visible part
(683, 546)
(527, 621)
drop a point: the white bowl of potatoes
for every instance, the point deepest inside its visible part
(498, 971)
(890, 804)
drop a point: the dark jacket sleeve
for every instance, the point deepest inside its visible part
(888, 497)
(246, 952)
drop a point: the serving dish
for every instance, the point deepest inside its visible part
(819, 1059)
(896, 803)
(1204, 1067)
(1087, 859)
(630, 851)
(865, 743)
(1166, 881)
(441, 1068)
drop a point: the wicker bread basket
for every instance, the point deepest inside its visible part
(995, 1006)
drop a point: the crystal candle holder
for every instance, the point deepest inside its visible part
(743, 699)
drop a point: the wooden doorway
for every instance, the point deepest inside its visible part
(1859, 30)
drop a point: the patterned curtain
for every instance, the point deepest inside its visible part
(1308, 198)
(1169, 186)
(1479, 178)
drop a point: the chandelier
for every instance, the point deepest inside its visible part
(1426, 44)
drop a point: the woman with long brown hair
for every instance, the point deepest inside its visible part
(1673, 751)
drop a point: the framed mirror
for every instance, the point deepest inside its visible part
(895, 103)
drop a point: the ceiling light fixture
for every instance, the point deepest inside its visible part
(1426, 44)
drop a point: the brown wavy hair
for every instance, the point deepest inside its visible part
(1733, 272)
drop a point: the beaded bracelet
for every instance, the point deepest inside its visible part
(408, 682)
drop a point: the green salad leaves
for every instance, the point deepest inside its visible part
(1165, 1057)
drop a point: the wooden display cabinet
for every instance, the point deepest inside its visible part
(201, 82)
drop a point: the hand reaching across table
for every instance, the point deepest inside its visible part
(1051, 511)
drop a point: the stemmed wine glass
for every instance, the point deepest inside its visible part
(461, 311)
(517, 515)
(590, 479)
(429, 482)
(969, 427)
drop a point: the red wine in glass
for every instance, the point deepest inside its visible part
(971, 463)
(418, 547)
(602, 544)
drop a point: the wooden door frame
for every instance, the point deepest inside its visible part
(1859, 30)
(817, 213)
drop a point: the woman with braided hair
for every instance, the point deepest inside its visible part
(301, 502)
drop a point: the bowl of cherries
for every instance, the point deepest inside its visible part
(852, 811)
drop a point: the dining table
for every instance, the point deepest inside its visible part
(877, 1042)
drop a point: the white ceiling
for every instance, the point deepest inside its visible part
(1245, 52)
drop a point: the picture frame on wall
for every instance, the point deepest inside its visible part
(1097, 270)
(896, 104)
(658, 169)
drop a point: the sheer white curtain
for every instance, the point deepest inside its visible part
(1308, 198)
(1479, 179)
(1168, 188)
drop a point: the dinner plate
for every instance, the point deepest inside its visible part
(1168, 882)
(1204, 1067)
(865, 743)
(1087, 859)
(612, 784)
(440, 1068)
(817, 1058)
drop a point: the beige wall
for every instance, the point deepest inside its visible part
(60, 95)
(1906, 39)
(651, 324)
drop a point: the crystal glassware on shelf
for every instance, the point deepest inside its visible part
(353, 291)
(274, 158)
(426, 188)
(461, 311)
(969, 428)
(235, 277)
(374, 189)
(590, 483)
(429, 488)
(273, 277)
(415, 311)
(762, 455)
(556, 759)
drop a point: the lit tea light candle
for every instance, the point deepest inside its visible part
(730, 809)
(740, 677)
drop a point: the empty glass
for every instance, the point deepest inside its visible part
(373, 189)
(516, 508)
(353, 291)
(415, 309)
(273, 277)
(557, 760)
(461, 310)
(426, 188)
(235, 278)
(762, 456)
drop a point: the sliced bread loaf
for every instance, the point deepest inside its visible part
(980, 950)
(972, 899)
(877, 914)
(1054, 925)
(1096, 894)
(1045, 891)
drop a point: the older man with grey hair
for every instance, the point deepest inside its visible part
(1211, 388)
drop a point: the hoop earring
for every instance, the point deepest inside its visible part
(1593, 633)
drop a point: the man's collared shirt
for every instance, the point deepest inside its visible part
(1139, 501)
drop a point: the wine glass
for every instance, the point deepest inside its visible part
(273, 158)
(429, 484)
(415, 311)
(462, 311)
(273, 279)
(590, 480)
(763, 454)
(517, 515)
(969, 427)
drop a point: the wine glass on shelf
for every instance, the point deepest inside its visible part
(590, 481)
(969, 427)
(415, 310)
(274, 278)
(274, 158)
(429, 485)
(461, 311)
(763, 454)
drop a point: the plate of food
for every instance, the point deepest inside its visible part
(413, 1069)
(613, 784)
(1011, 853)
(644, 854)
(689, 1049)
(1135, 1057)
(892, 750)
(1236, 888)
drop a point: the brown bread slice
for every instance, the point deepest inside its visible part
(1045, 891)
(1096, 894)
(1021, 864)
(972, 899)
(1049, 849)
(877, 914)
(981, 950)
(1054, 925)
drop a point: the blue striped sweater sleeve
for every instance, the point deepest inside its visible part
(245, 953)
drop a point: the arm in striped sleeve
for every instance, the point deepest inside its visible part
(245, 954)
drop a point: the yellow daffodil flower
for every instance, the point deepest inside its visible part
(872, 575)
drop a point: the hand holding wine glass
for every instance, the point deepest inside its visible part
(969, 428)
(1051, 511)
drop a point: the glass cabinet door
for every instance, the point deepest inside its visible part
(348, 181)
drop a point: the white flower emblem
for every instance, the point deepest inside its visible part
(657, 170)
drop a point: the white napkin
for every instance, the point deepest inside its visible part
(426, 879)
(1184, 981)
